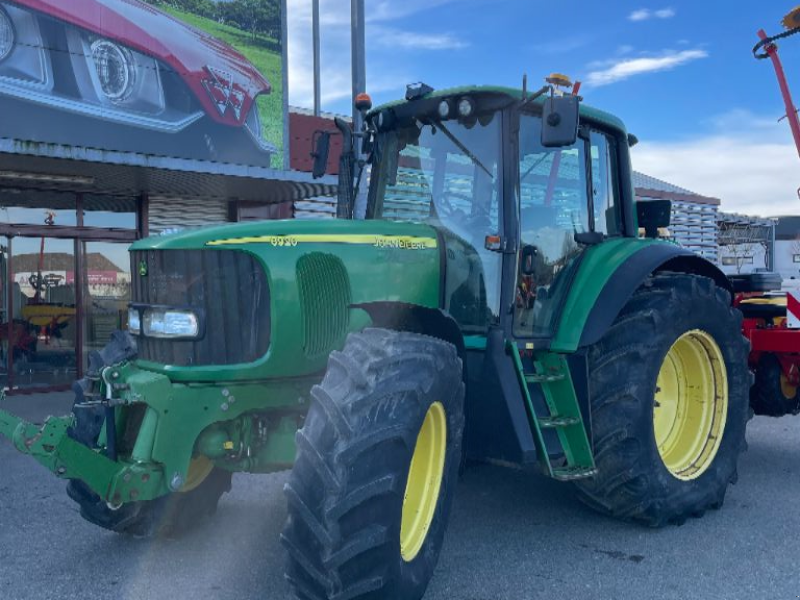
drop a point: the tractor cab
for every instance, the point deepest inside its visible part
(516, 185)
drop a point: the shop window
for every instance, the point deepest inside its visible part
(44, 317)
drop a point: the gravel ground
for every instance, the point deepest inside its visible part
(512, 536)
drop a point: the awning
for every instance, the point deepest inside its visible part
(119, 173)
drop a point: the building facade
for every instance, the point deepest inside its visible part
(694, 217)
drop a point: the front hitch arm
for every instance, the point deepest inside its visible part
(51, 446)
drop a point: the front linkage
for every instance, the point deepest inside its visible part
(161, 429)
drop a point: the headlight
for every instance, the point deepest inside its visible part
(170, 323)
(465, 107)
(6, 35)
(115, 70)
(134, 321)
(23, 58)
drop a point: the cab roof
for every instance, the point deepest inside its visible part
(587, 111)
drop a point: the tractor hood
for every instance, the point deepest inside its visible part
(279, 296)
(203, 61)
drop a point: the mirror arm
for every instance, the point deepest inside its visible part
(537, 94)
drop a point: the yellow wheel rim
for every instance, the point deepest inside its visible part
(424, 482)
(789, 390)
(199, 469)
(691, 405)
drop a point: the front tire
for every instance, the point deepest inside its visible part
(669, 384)
(371, 491)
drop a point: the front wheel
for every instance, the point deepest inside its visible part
(370, 493)
(669, 384)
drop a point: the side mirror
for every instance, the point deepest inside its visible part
(320, 154)
(653, 214)
(527, 259)
(560, 121)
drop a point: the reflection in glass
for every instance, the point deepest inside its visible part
(44, 315)
(553, 208)
(106, 293)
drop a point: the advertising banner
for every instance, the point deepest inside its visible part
(187, 79)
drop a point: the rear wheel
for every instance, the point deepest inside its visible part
(772, 394)
(370, 493)
(669, 385)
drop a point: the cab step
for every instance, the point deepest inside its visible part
(553, 422)
(573, 473)
(548, 378)
(549, 372)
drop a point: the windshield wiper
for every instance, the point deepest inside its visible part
(463, 148)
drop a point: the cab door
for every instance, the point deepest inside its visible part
(566, 203)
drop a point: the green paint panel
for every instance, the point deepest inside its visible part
(475, 342)
(597, 266)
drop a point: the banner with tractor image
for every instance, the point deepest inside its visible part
(187, 79)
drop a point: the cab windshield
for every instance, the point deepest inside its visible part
(448, 174)
(443, 172)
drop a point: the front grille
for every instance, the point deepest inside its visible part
(227, 286)
(325, 301)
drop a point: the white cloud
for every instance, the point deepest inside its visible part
(625, 69)
(417, 41)
(748, 161)
(645, 14)
(391, 10)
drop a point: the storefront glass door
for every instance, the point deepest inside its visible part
(64, 282)
(44, 327)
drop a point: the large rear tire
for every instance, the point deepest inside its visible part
(370, 493)
(669, 384)
(170, 515)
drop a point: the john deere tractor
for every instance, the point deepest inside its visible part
(496, 303)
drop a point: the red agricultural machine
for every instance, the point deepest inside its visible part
(771, 316)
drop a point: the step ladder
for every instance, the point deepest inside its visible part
(551, 373)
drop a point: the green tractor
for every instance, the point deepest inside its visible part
(496, 304)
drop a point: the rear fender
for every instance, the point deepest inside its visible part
(630, 274)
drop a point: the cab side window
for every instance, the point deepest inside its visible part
(604, 184)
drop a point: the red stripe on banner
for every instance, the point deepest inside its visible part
(793, 305)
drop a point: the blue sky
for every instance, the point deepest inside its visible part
(680, 74)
